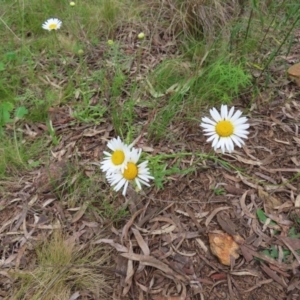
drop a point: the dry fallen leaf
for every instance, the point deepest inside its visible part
(294, 73)
(223, 246)
(80, 213)
(297, 201)
(271, 201)
(153, 262)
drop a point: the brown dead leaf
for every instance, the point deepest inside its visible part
(164, 229)
(292, 248)
(49, 227)
(248, 161)
(297, 201)
(153, 262)
(92, 132)
(141, 241)
(297, 140)
(218, 276)
(245, 181)
(259, 284)
(193, 217)
(202, 245)
(80, 212)
(245, 273)
(294, 73)
(168, 298)
(111, 242)
(226, 224)
(271, 201)
(282, 142)
(213, 213)
(162, 219)
(129, 224)
(244, 207)
(296, 170)
(294, 284)
(129, 274)
(231, 189)
(223, 246)
(20, 255)
(273, 275)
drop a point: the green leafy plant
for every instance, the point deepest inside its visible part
(5, 111)
(262, 217)
(273, 251)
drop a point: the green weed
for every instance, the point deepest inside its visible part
(219, 191)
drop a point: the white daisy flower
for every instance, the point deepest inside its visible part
(117, 160)
(52, 24)
(138, 173)
(226, 129)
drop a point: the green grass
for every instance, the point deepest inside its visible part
(180, 89)
(18, 155)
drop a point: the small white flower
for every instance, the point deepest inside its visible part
(52, 24)
(117, 160)
(226, 129)
(138, 173)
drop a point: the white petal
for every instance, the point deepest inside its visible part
(237, 114)
(120, 184)
(241, 126)
(208, 126)
(231, 145)
(135, 155)
(215, 115)
(224, 112)
(107, 154)
(230, 113)
(138, 183)
(215, 141)
(241, 134)
(239, 142)
(125, 189)
(145, 177)
(209, 132)
(240, 121)
(212, 137)
(221, 145)
(207, 120)
(144, 182)
(238, 131)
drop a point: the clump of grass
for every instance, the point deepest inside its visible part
(62, 268)
(18, 155)
(183, 87)
(222, 81)
(203, 19)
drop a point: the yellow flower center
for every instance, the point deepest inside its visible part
(224, 128)
(131, 172)
(52, 26)
(118, 157)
